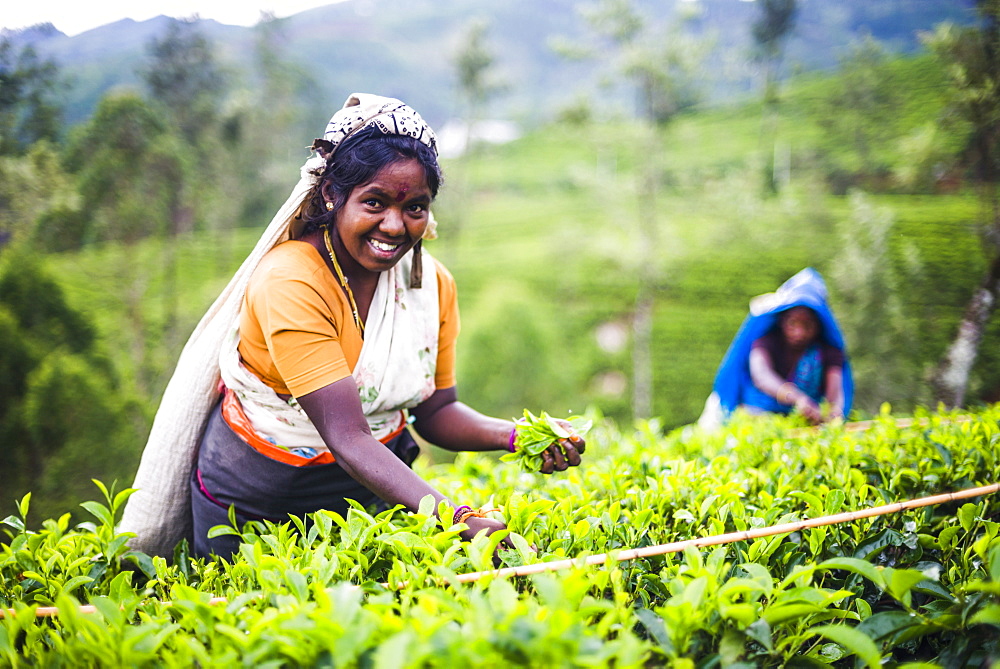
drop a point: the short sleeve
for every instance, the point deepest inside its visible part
(833, 356)
(291, 324)
(444, 376)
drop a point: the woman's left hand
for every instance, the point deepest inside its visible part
(563, 453)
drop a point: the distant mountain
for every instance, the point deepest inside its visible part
(405, 48)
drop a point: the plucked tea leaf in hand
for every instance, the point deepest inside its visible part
(534, 434)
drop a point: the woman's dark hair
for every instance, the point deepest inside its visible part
(356, 161)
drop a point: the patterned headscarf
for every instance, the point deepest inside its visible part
(389, 115)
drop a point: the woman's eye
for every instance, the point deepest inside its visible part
(372, 202)
(418, 208)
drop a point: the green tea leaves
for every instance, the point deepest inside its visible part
(534, 434)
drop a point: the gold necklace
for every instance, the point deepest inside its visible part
(343, 280)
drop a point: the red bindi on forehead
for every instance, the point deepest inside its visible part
(402, 192)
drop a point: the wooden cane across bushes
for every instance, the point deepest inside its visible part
(674, 547)
(918, 579)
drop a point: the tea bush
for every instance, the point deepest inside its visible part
(919, 587)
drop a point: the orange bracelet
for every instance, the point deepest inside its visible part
(471, 513)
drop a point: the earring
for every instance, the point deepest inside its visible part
(329, 206)
(416, 266)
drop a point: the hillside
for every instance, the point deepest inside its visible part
(541, 235)
(405, 48)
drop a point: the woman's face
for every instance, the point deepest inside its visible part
(383, 219)
(799, 326)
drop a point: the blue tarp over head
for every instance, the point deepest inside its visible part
(807, 289)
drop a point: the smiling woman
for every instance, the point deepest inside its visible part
(344, 335)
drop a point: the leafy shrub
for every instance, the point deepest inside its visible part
(384, 590)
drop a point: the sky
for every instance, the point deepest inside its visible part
(76, 16)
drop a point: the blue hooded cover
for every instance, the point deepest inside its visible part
(805, 289)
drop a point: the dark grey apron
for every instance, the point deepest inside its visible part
(230, 472)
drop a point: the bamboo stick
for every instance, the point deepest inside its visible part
(50, 611)
(730, 537)
(663, 549)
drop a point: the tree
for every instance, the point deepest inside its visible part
(79, 429)
(57, 392)
(533, 349)
(28, 111)
(187, 86)
(770, 31)
(858, 114)
(17, 359)
(972, 58)
(37, 304)
(280, 111)
(880, 332)
(113, 157)
(133, 176)
(183, 76)
(29, 124)
(32, 186)
(474, 64)
(658, 61)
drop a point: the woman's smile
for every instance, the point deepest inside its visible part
(383, 247)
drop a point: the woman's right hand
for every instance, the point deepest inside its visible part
(808, 408)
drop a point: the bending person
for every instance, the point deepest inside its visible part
(345, 335)
(793, 367)
(788, 355)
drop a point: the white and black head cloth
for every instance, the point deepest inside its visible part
(389, 115)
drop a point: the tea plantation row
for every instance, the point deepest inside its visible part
(913, 588)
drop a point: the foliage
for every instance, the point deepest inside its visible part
(28, 110)
(971, 57)
(260, 128)
(773, 26)
(63, 412)
(858, 117)
(658, 59)
(882, 332)
(555, 214)
(474, 61)
(529, 351)
(770, 31)
(533, 434)
(114, 155)
(182, 76)
(382, 590)
(550, 255)
(35, 186)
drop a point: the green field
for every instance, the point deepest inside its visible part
(551, 238)
(905, 588)
(548, 235)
